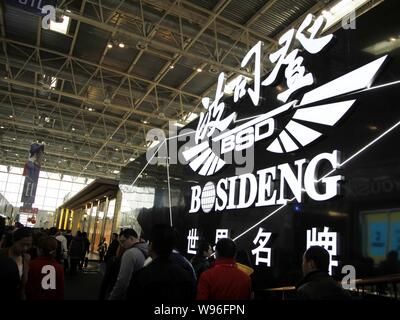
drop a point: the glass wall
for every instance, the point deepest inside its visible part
(92, 222)
(53, 188)
(135, 200)
(109, 221)
(98, 226)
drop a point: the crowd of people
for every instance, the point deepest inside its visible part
(33, 264)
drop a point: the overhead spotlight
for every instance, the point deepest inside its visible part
(171, 66)
(1, 127)
(213, 69)
(11, 116)
(73, 129)
(109, 45)
(199, 70)
(145, 122)
(141, 46)
(392, 39)
(116, 149)
(121, 45)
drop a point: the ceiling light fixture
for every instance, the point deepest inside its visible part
(213, 70)
(199, 70)
(141, 46)
(109, 46)
(121, 45)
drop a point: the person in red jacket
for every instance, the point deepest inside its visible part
(46, 275)
(224, 281)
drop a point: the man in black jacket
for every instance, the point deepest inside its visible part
(112, 248)
(317, 284)
(164, 279)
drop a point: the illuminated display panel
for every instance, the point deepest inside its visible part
(363, 128)
(381, 233)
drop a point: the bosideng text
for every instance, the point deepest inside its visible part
(261, 189)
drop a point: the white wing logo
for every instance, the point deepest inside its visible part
(312, 109)
(325, 114)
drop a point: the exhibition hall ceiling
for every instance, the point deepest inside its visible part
(92, 86)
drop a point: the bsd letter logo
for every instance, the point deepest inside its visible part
(49, 280)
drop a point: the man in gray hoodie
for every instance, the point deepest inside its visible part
(132, 260)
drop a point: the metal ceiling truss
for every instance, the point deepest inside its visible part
(168, 30)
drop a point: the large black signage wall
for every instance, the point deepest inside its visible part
(364, 217)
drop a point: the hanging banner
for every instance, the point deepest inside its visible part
(31, 173)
